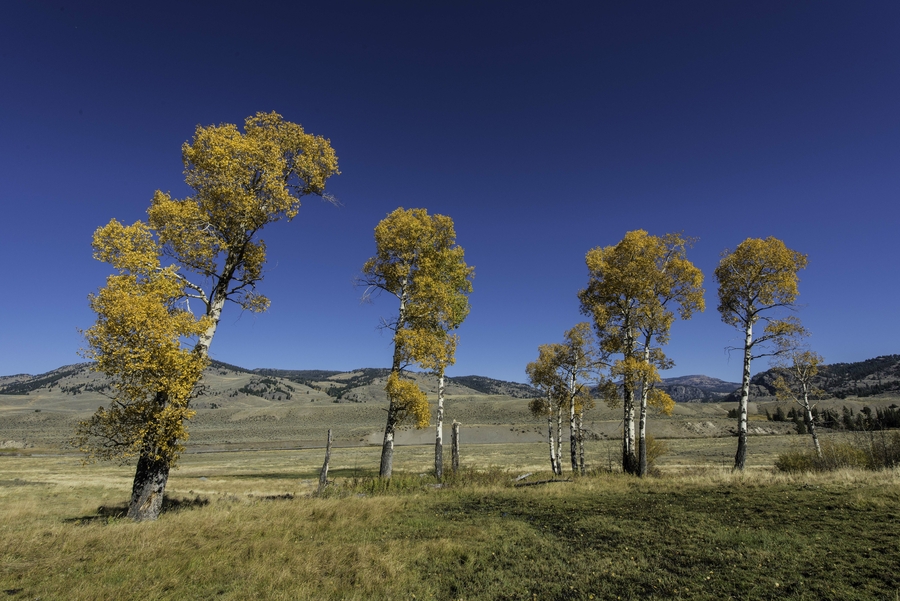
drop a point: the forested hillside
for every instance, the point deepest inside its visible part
(838, 380)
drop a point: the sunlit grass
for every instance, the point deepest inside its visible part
(697, 533)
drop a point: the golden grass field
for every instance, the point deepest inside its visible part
(251, 527)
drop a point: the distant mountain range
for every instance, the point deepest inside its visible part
(224, 381)
(697, 389)
(227, 381)
(838, 380)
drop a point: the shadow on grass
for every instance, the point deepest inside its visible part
(307, 475)
(107, 514)
(20, 482)
(285, 497)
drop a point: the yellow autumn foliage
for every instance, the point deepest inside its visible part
(758, 275)
(204, 248)
(408, 400)
(137, 341)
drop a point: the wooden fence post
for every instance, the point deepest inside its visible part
(454, 445)
(323, 475)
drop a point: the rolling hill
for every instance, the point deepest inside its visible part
(839, 380)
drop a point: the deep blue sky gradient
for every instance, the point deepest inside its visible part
(543, 129)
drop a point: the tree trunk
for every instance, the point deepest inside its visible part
(810, 423)
(573, 438)
(740, 458)
(550, 436)
(217, 299)
(629, 456)
(439, 431)
(581, 441)
(323, 475)
(387, 446)
(559, 440)
(148, 488)
(454, 447)
(642, 433)
(151, 474)
(642, 418)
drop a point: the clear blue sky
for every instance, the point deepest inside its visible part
(542, 129)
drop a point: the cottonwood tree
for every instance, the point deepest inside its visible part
(418, 261)
(439, 354)
(635, 290)
(579, 366)
(204, 248)
(798, 367)
(565, 373)
(677, 287)
(756, 279)
(544, 375)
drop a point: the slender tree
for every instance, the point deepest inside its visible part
(799, 366)
(544, 375)
(207, 246)
(579, 367)
(418, 261)
(756, 279)
(442, 355)
(633, 293)
(678, 292)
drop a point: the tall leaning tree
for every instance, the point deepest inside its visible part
(417, 261)
(634, 291)
(204, 248)
(756, 280)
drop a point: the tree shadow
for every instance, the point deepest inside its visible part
(107, 514)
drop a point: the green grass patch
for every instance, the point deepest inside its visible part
(475, 537)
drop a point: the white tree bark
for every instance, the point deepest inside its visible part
(573, 437)
(642, 418)
(629, 455)
(642, 433)
(559, 441)
(553, 460)
(740, 458)
(810, 423)
(214, 308)
(581, 441)
(439, 431)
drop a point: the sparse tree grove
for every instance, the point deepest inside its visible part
(564, 373)
(206, 249)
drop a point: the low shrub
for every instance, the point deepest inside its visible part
(866, 450)
(882, 449)
(655, 450)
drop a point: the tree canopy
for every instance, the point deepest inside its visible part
(417, 261)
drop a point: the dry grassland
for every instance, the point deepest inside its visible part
(249, 526)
